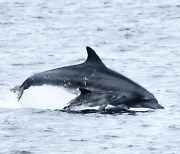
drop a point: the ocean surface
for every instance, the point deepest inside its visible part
(140, 39)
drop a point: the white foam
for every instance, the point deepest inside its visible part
(43, 97)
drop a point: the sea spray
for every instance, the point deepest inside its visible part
(43, 97)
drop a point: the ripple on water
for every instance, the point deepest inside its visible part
(20, 152)
(139, 39)
(174, 127)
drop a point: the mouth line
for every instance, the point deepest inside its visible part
(153, 104)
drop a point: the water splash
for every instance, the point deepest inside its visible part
(43, 97)
(8, 99)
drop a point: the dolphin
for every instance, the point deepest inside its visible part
(96, 98)
(93, 75)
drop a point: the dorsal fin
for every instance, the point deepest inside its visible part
(84, 91)
(93, 57)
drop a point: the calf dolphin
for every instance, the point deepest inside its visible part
(96, 98)
(94, 76)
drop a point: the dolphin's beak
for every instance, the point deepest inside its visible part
(152, 104)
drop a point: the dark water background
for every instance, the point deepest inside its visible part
(140, 39)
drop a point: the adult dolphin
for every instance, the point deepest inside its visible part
(93, 75)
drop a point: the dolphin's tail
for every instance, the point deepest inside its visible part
(15, 89)
(18, 90)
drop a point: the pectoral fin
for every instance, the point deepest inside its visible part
(84, 91)
(77, 101)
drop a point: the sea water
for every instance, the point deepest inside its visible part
(139, 39)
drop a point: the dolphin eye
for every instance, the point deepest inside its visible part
(114, 97)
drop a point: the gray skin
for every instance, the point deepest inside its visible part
(94, 76)
(96, 98)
